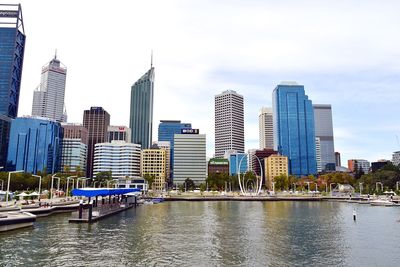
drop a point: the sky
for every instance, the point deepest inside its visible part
(346, 53)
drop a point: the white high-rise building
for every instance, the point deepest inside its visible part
(318, 153)
(266, 128)
(396, 158)
(48, 98)
(190, 158)
(119, 157)
(229, 123)
(324, 131)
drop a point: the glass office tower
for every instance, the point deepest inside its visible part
(166, 131)
(12, 46)
(294, 131)
(141, 114)
(35, 145)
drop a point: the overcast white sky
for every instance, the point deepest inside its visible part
(346, 53)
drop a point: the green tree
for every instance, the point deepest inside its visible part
(189, 184)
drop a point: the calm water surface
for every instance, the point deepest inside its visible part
(214, 234)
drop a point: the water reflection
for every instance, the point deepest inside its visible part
(214, 234)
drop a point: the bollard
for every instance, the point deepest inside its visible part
(90, 211)
(354, 215)
(80, 208)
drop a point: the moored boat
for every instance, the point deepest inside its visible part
(381, 202)
(16, 219)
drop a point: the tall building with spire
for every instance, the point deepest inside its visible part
(12, 47)
(229, 123)
(48, 98)
(141, 113)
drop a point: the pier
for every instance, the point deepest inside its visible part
(102, 202)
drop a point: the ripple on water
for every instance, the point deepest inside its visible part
(214, 234)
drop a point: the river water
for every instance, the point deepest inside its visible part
(214, 234)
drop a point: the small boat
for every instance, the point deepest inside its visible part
(381, 202)
(157, 200)
(148, 202)
(15, 220)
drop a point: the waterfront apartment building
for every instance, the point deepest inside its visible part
(294, 131)
(190, 158)
(141, 109)
(229, 123)
(74, 148)
(12, 47)
(266, 128)
(166, 132)
(48, 98)
(35, 145)
(167, 147)
(153, 164)
(96, 120)
(396, 158)
(119, 157)
(324, 131)
(275, 165)
(118, 133)
(359, 165)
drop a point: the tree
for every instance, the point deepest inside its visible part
(189, 184)
(149, 178)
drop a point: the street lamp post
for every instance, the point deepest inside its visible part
(8, 184)
(294, 187)
(330, 187)
(361, 188)
(70, 177)
(52, 184)
(40, 182)
(77, 181)
(273, 187)
(376, 186)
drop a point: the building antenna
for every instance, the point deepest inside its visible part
(151, 60)
(55, 54)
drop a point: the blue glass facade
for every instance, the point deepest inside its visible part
(166, 132)
(238, 160)
(12, 43)
(35, 145)
(294, 131)
(5, 124)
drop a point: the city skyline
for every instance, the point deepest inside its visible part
(344, 54)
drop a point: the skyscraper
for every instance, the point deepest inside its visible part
(96, 120)
(141, 115)
(294, 132)
(266, 128)
(166, 131)
(35, 145)
(190, 158)
(48, 98)
(324, 131)
(12, 46)
(229, 123)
